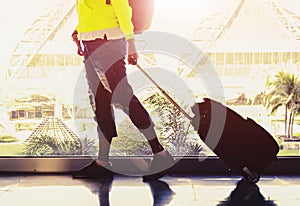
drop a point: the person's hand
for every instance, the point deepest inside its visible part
(132, 54)
(77, 42)
(132, 58)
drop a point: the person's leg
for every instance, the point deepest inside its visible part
(162, 160)
(101, 103)
(94, 63)
(122, 95)
(101, 167)
(142, 120)
(106, 123)
(103, 154)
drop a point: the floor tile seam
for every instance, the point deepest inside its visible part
(10, 188)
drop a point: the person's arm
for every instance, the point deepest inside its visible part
(75, 35)
(77, 42)
(124, 13)
(132, 53)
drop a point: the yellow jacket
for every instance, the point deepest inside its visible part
(96, 15)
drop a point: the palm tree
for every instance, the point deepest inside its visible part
(284, 91)
(295, 107)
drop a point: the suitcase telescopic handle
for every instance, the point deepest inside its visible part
(164, 93)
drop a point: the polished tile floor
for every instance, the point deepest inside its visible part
(62, 190)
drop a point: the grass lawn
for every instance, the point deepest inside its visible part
(288, 153)
(16, 149)
(11, 149)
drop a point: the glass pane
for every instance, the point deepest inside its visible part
(220, 58)
(46, 108)
(267, 58)
(248, 58)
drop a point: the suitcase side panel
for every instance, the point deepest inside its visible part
(242, 143)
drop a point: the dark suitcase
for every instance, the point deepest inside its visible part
(241, 143)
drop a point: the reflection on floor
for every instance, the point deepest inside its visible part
(62, 190)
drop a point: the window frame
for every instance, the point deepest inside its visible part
(185, 165)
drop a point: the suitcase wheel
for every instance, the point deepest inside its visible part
(250, 176)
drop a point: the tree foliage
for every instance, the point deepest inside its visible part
(8, 138)
(129, 141)
(45, 145)
(284, 91)
(172, 126)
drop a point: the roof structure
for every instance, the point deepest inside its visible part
(255, 28)
(42, 30)
(53, 127)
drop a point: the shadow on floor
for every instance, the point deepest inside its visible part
(101, 187)
(246, 194)
(161, 192)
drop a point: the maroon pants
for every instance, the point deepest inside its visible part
(108, 57)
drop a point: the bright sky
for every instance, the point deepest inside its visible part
(170, 15)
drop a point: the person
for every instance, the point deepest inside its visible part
(104, 35)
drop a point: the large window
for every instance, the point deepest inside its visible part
(45, 104)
